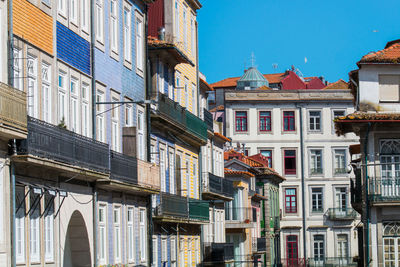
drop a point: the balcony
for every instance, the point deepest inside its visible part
(294, 262)
(182, 209)
(259, 245)
(148, 175)
(331, 262)
(208, 119)
(218, 253)
(216, 187)
(13, 115)
(59, 145)
(239, 218)
(274, 223)
(341, 214)
(180, 121)
(123, 168)
(384, 190)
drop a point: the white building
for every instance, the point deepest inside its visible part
(295, 130)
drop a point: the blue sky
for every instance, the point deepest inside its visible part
(333, 35)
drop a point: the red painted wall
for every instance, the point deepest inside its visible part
(156, 17)
(292, 82)
(315, 83)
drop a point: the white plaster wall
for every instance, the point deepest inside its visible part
(3, 41)
(369, 85)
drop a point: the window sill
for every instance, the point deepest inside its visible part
(100, 45)
(128, 64)
(114, 55)
(140, 72)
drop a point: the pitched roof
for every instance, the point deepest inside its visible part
(231, 82)
(223, 137)
(219, 108)
(390, 54)
(206, 84)
(340, 84)
(232, 172)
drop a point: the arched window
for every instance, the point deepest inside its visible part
(391, 229)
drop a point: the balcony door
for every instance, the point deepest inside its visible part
(340, 200)
(238, 248)
(390, 168)
(292, 250)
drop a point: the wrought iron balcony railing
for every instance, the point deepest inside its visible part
(331, 262)
(13, 112)
(294, 262)
(217, 185)
(341, 214)
(316, 171)
(218, 252)
(124, 168)
(183, 208)
(259, 244)
(55, 143)
(196, 126)
(208, 119)
(382, 189)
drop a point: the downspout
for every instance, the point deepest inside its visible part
(366, 195)
(265, 221)
(93, 72)
(12, 217)
(10, 49)
(303, 205)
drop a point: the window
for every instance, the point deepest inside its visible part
(128, 114)
(319, 248)
(186, 93)
(241, 121)
(342, 247)
(84, 15)
(194, 102)
(315, 120)
(155, 256)
(99, 21)
(164, 250)
(316, 199)
(292, 252)
(178, 89)
(140, 133)
(74, 106)
(162, 170)
(32, 86)
(62, 107)
(127, 35)
(195, 181)
(117, 234)
(20, 225)
(115, 125)
(290, 161)
(193, 35)
(139, 43)
(187, 167)
(268, 155)
(131, 235)
(173, 251)
(62, 5)
(49, 227)
(160, 77)
(389, 88)
(340, 200)
(142, 235)
(102, 234)
(100, 117)
(18, 69)
(391, 244)
(171, 172)
(114, 25)
(390, 168)
(265, 121)
(340, 161)
(34, 227)
(46, 92)
(170, 84)
(288, 121)
(185, 41)
(316, 161)
(85, 110)
(176, 21)
(73, 11)
(290, 200)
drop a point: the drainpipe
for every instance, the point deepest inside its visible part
(366, 229)
(10, 44)
(95, 225)
(12, 217)
(197, 70)
(303, 204)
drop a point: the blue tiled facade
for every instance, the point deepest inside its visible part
(73, 49)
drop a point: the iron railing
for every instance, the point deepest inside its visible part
(124, 168)
(172, 110)
(56, 143)
(218, 252)
(183, 207)
(331, 262)
(341, 214)
(259, 244)
(196, 126)
(199, 210)
(238, 214)
(294, 262)
(316, 171)
(208, 119)
(13, 107)
(217, 185)
(383, 189)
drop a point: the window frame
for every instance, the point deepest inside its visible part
(46, 97)
(115, 124)
(139, 42)
(176, 21)
(113, 21)
(62, 91)
(270, 157)
(284, 117)
(142, 231)
(243, 121)
(117, 234)
(320, 169)
(62, 7)
(102, 224)
(293, 199)
(265, 117)
(34, 229)
(100, 131)
(84, 15)
(49, 226)
(321, 258)
(334, 153)
(127, 32)
(380, 84)
(99, 28)
(73, 11)
(314, 123)
(287, 171)
(321, 199)
(130, 232)
(20, 227)
(334, 117)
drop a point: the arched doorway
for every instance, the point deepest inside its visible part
(77, 249)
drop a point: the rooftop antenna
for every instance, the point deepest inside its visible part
(275, 66)
(253, 59)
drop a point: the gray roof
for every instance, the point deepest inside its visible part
(251, 79)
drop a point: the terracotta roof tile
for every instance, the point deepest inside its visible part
(219, 108)
(223, 137)
(340, 84)
(391, 54)
(210, 88)
(232, 172)
(231, 82)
